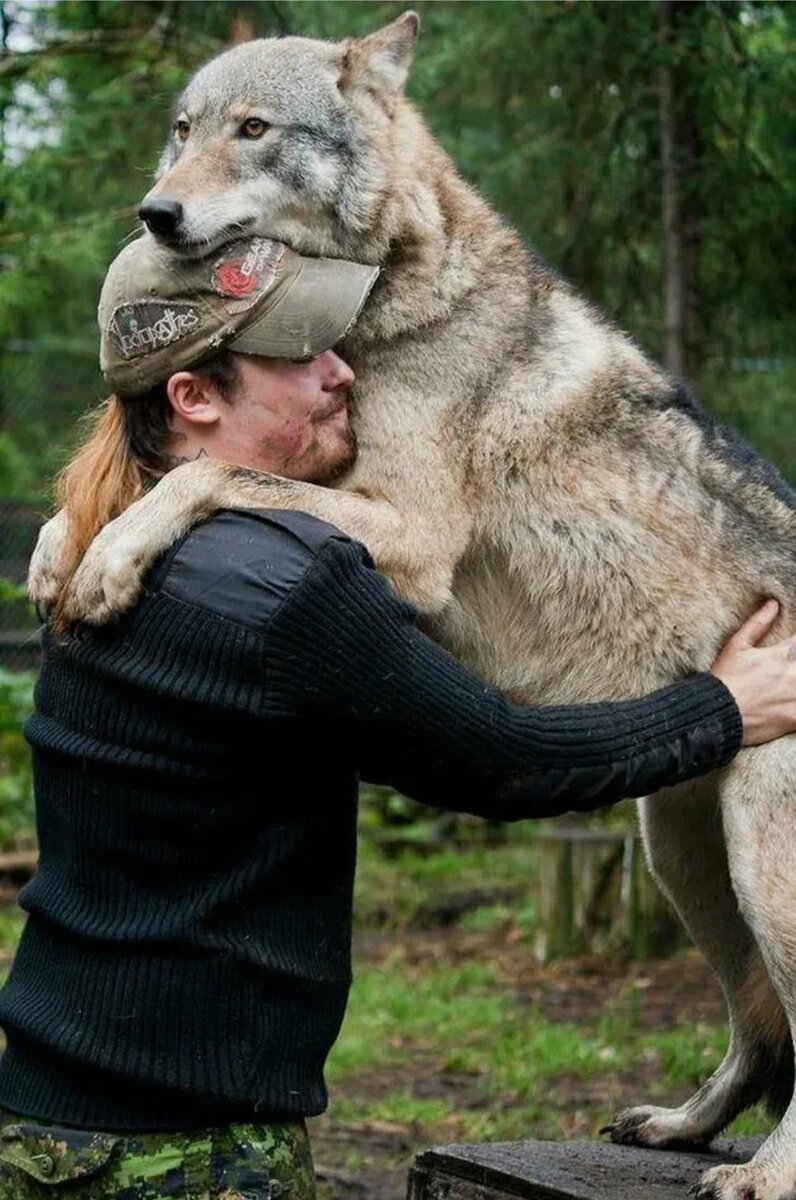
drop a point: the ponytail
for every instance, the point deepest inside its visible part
(101, 481)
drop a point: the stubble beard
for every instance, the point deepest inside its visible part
(333, 465)
(330, 472)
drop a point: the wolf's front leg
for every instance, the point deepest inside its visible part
(759, 807)
(110, 576)
(685, 846)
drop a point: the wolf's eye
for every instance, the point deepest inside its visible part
(253, 127)
(182, 128)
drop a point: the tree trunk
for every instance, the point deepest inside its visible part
(242, 29)
(680, 166)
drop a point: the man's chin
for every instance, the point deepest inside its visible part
(339, 462)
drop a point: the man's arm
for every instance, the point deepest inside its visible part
(347, 653)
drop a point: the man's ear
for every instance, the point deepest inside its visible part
(193, 399)
(381, 61)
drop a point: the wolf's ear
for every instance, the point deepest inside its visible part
(382, 59)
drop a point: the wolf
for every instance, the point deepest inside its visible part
(564, 516)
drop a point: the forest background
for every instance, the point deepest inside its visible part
(646, 151)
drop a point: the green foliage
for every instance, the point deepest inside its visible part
(401, 1108)
(12, 592)
(12, 920)
(19, 472)
(487, 918)
(756, 396)
(383, 808)
(16, 782)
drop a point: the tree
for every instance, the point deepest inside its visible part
(680, 138)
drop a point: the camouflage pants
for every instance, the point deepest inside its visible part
(39, 1160)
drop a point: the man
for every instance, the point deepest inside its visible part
(186, 963)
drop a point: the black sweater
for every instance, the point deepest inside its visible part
(186, 960)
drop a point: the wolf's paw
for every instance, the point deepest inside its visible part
(44, 574)
(750, 1181)
(109, 579)
(656, 1128)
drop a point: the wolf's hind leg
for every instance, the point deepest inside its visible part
(686, 850)
(759, 807)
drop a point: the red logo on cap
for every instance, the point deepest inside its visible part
(232, 280)
(245, 272)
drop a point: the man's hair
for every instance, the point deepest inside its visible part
(123, 452)
(147, 418)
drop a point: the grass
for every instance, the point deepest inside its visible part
(527, 1071)
(413, 888)
(454, 1050)
(12, 920)
(488, 918)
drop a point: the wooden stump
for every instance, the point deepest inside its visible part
(597, 896)
(564, 1171)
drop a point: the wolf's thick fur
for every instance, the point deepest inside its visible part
(569, 523)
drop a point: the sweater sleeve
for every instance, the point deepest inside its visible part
(344, 651)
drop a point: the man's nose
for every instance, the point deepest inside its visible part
(339, 373)
(161, 215)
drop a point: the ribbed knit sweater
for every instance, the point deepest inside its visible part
(186, 960)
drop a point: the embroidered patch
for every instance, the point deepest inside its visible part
(232, 281)
(245, 272)
(147, 325)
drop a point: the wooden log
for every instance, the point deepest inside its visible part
(564, 1171)
(16, 868)
(596, 896)
(19, 865)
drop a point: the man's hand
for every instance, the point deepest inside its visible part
(762, 681)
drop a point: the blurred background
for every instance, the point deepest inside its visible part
(511, 981)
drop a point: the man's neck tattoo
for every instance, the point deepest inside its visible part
(178, 460)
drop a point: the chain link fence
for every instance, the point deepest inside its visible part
(45, 385)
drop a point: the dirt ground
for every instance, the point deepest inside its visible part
(577, 991)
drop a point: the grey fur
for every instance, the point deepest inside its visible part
(569, 523)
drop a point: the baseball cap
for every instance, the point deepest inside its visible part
(159, 313)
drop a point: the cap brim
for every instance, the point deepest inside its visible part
(315, 312)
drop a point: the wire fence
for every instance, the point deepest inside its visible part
(45, 385)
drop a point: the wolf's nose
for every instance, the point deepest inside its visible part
(161, 215)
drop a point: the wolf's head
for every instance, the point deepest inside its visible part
(290, 138)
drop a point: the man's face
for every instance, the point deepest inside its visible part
(287, 418)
